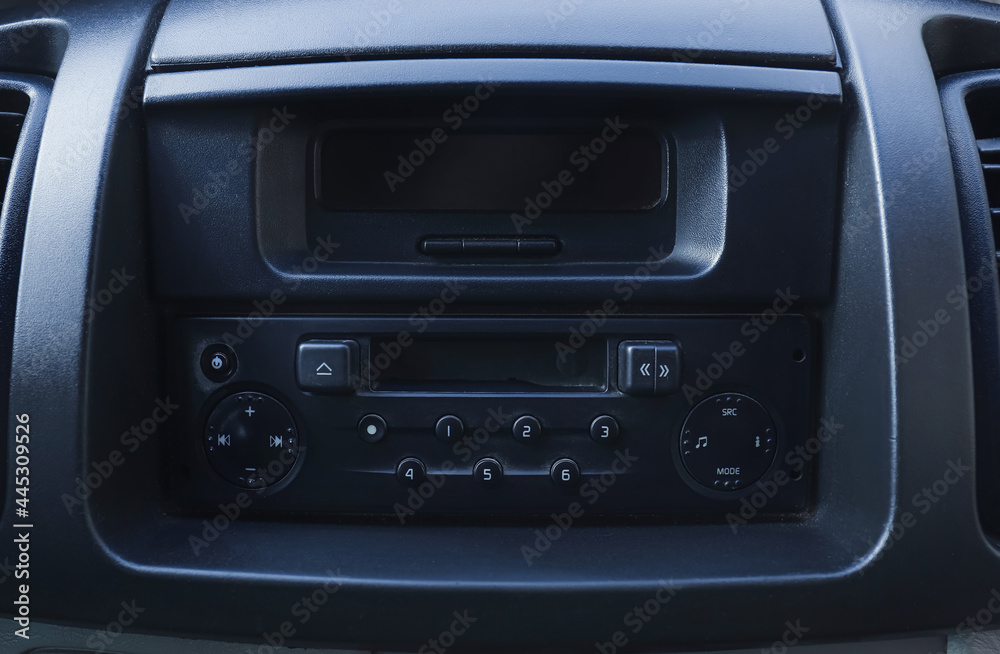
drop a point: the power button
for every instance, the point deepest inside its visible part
(218, 362)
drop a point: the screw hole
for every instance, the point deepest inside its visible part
(796, 475)
(799, 355)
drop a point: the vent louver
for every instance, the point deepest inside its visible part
(984, 113)
(13, 107)
(989, 154)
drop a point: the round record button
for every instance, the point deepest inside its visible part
(371, 428)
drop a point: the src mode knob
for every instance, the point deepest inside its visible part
(251, 440)
(727, 442)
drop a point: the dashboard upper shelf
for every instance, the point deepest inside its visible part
(717, 31)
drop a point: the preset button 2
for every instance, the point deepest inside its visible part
(527, 429)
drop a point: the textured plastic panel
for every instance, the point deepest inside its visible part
(259, 31)
(877, 556)
(752, 217)
(344, 474)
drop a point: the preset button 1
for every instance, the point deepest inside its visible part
(449, 428)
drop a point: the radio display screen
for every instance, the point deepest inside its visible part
(528, 365)
(612, 168)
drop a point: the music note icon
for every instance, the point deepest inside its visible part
(702, 442)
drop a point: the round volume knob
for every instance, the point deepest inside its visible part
(251, 440)
(727, 442)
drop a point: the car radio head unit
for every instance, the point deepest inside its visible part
(542, 189)
(675, 419)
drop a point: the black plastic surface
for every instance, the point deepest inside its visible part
(876, 556)
(30, 92)
(960, 94)
(245, 229)
(261, 31)
(251, 440)
(366, 170)
(524, 426)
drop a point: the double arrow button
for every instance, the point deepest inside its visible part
(648, 367)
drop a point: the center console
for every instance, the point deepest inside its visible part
(488, 289)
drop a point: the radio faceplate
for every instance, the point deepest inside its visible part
(598, 434)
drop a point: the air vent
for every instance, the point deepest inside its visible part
(13, 107)
(984, 112)
(989, 154)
